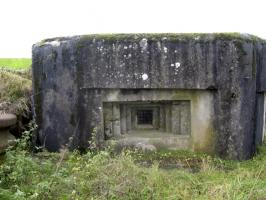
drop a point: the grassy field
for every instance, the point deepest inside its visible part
(130, 175)
(15, 63)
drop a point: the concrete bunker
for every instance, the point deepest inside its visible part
(203, 92)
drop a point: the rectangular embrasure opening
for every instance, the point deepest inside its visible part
(144, 117)
(149, 117)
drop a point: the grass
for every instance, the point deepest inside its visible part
(15, 85)
(15, 63)
(105, 175)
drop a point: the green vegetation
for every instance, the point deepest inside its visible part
(15, 89)
(161, 36)
(15, 63)
(105, 175)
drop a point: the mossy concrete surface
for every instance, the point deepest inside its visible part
(159, 36)
(70, 75)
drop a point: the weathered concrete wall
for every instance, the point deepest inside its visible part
(70, 75)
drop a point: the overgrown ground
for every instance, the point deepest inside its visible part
(129, 175)
(15, 85)
(105, 175)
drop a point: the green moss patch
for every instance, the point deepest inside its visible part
(161, 36)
